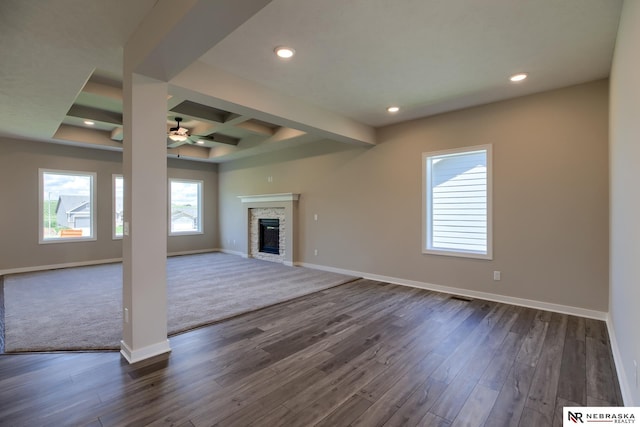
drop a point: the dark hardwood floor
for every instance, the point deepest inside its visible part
(361, 354)
(1, 314)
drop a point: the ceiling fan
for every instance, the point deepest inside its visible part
(178, 135)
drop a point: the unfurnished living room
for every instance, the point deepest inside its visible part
(319, 213)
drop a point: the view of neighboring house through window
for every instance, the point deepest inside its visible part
(67, 205)
(457, 219)
(185, 200)
(118, 203)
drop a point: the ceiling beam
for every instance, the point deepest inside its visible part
(199, 111)
(103, 90)
(95, 114)
(174, 34)
(256, 128)
(84, 136)
(209, 85)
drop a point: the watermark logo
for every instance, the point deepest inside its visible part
(600, 416)
(575, 417)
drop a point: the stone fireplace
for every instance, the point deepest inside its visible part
(271, 223)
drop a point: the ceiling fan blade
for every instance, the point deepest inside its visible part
(173, 144)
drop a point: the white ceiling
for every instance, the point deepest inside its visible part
(49, 48)
(357, 57)
(353, 58)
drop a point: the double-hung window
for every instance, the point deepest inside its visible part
(118, 206)
(457, 202)
(67, 206)
(185, 202)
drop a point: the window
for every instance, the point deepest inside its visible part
(118, 203)
(185, 201)
(66, 206)
(457, 202)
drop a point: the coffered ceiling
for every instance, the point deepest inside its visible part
(62, 65)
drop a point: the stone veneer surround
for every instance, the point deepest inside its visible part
(283, 206)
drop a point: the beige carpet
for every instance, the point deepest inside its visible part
(81, 308)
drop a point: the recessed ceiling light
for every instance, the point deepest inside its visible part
(518, 77)
(393, 109)
(89, 123)
(200, 142)
(284, 52)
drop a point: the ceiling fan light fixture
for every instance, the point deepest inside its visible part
(176, 137)
(393, 109)
(177, 133)
(284, 52)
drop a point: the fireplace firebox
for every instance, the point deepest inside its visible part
(269, 236)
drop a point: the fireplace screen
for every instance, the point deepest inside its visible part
(269, 236)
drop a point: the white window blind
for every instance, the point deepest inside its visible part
(458, 202)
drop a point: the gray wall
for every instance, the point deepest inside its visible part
(625, 201)
(550, 203)
(19, 164)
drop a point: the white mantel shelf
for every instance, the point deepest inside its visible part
(279, 197)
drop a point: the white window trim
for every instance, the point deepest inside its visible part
(114, 176)
(94, 211)
(200, 208)
(426, 213)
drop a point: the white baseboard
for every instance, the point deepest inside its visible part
(57, 266)
(625, 387)
(133, 356)
(540, 305)
(87, 263)
(238, 253)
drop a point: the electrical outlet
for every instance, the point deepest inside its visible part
(315, 217)
(315, 252)
(126, 315)
(269, 179)
(496, 275)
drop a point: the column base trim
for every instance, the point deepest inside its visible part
(133, 356)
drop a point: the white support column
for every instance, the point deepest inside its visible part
(145, 216)
(152, 56)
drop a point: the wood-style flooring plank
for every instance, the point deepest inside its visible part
(476, 409)
(507, 410)
(396, 396)
(600, 378)
(544, 386)
(415, 409)
(573, 372)
(363, 353)
(346, 413)
(496, 372)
